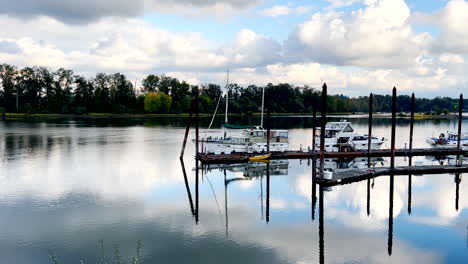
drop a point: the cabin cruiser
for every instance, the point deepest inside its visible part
(450, 139)
(252, 140)
(341, 137)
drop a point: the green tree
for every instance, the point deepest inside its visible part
(150, 83)
(157, 102)
(7, 86)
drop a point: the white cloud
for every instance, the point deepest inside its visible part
(279, 10)
(452, 21)
(276, 11)
(341, 3)
(376, 36)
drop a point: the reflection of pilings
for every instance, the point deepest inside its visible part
(187, 187)
(268, 193)
(314, 186)
(225, 203)
(368, 196)
(369, 135)
(322, 128)
(392, 148)
(409, 191)
(261, 194)
(196, 190)
(321, 228)
(457, 189)
(390, 217)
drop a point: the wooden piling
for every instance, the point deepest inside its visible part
(322, 129)
(197, 120)
(413, 106)
(268, 130)
(392, 149)
(460, 120)
(369, 134)
(187, 129)
(314, 121)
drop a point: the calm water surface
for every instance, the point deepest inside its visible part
(98, 191)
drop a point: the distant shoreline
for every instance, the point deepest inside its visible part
(149, 116)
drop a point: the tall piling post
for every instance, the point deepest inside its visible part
(369, 134)
(460, 120)
(197, 120)
(410, 161)
(413, 106)
(322, 129)
(314, 122)
(187, 129)
(392, 148)
(268, 130)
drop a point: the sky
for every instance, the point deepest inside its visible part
(355, 46)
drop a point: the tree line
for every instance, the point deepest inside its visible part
(40, 90)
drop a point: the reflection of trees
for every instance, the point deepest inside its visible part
(103, 257)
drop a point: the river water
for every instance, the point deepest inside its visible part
(109, 191)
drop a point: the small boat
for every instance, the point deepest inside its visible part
(448, 140)
(260, 157)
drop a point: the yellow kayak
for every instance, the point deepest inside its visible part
(260, 158)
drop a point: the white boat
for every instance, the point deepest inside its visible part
(341, 137)
(249, 141)
(448, 140)
(252, 140)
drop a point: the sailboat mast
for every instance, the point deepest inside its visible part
(263, 104)
(227, 98)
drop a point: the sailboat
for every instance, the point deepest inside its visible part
(251, 140)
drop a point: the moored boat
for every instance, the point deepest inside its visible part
(341, 137)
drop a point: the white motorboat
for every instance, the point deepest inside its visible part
(341, 137)
(448, 140)
(249, 141)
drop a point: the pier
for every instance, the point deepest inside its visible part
(349, 175)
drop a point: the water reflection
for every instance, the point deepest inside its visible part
(64, 187)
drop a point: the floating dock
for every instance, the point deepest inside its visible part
(355, 175)
(243, 158)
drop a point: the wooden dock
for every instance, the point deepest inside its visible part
(355, 175)
(244, 157)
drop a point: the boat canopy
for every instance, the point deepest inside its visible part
(339, 126)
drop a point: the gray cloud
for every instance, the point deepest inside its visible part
(86, 11)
